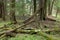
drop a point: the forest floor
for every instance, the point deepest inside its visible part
(26, 37)
(47, 25)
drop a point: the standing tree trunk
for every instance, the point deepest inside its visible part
(50, 7)
(36, 16)
(34, 2)
(42, 12)
(57, 11)
(43, 9)
(2, 9)
(12, 12)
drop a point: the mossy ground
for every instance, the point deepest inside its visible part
(26, 37)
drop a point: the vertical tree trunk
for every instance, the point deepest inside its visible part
(36, 16)
(12, 12)
(50, 7)
(34, 2)
(57, 12)
(2, 9)
(42, 13)
(43, 8)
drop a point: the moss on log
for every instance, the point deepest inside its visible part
(39, 32)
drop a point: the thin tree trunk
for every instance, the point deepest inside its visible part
(34, 2)
(51, 7)
(12, 12)
(0, 10)
(4, 9)
(57, 12)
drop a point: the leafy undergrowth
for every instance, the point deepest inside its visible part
(22, 36)
(26, 37)
(3, 23)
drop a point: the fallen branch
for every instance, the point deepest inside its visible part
(25, 22)
(31, 32)
(3, 36)
(39, 32)
(23, 25)
(32, 17)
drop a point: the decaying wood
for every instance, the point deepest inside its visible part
(51, 18)
(3, 36)
(32, 17)
(23, 25)
(39, 32)
(15, 30)
(28, 21)
(36, 31)
(27, 31)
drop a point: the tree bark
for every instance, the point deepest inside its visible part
(57, 12)
(0, 10)
(12, 12)
(34, 2)
(50, 7)
(3, 9)
(43, 8)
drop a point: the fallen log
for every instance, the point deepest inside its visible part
(32, 17)
(25, 22)
(3, 36)
(23, 25)
(51, 18)
(39, 32)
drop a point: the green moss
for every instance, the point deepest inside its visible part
(27, 37)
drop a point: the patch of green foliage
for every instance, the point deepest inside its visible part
(27, 37)
(2, 23)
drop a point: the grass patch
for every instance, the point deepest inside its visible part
(2, 23)
(27, 37)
